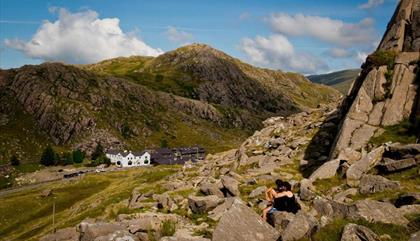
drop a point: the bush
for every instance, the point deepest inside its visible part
(78, 156)
(164, 143)
(99, 151)
(168, 228)
(48, 157)
(68, 158)
(14, 161)
(101, 160)
(381, 57)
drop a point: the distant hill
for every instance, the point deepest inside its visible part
(192, 95)
(340, 80)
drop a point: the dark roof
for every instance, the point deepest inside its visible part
(138, 153)
(125, 153)
(113, 152)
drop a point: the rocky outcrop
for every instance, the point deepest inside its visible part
(241, 223)
(375, 183)
(355, 171)
(354, 232)
(386, 91)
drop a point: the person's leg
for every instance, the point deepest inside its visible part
(265, 211)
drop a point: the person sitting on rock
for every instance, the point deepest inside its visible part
(270, 195)
(286, 200)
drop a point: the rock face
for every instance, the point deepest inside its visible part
(241, 223)
(385, 92)
(199, 204)
(303, 225)
(354, 232)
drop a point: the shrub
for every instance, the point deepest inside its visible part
(99, 151)
(48, 157)
(101, 160)
(168, 228)
(14, 161)
(78, 156)
(381, 57)
(68, 158)
(164, 143)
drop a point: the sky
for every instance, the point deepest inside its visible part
(306, 36)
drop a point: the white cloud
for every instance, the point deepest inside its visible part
(371, 4)
(81, 37)
(277, 52)
(338, 53)
(325, 29)
(178, 36)
(361, 56)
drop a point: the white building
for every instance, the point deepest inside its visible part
(128, 158)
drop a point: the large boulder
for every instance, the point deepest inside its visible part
(375, 211)
(258, 191)
(303, 225)
(211, 187)
(66, 234)
(218, 212)
(307, 190)
(200, 204)
(280, 220)
(91, 231)
(120, 235)
(230, 186)
(388, 165)
(375, 183)
(327, 170)
(354, 232)
(356, 171)
(241, 223)
(148, 221)
(165, 201)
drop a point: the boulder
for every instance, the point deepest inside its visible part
(120, 235)
(345, 195)
(355, 171)
(46, 193)
(165, 201)
(199, 204)
(303, 225)
(349, 155)
(388, 165)
(307, 190)
(65, 234)
(143, 222)
(375, 211)
(217, 213)
(415, 236)
(91, 231)
(258, 191)
(354, 232)
(374, 183)
(209, 187)
(327, 170)
(241, 223)
(230, 186)
(280, 220)
(136, 199)
(398, 151)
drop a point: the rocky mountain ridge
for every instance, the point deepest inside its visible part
(214, 103)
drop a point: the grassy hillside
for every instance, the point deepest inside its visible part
(340, 80)
(192, 95)
(93, 195)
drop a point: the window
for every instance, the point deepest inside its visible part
(130, 163)
(118, 163)
(146, 162)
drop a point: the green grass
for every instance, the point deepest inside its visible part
(333, 231)
(402, 133)
(24, 215)
(168, 228)
(324, 185)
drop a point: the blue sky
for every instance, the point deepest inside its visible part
(293, 35)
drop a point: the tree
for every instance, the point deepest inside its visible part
(101, 160)
(78, 156)
(68, 158)
(48, 156)
(14, 161)
(99, 151)
(164, 143)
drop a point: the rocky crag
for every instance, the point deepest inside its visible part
(387, 91)
(193, 95)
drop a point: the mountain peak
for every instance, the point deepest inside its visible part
(401, 34)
